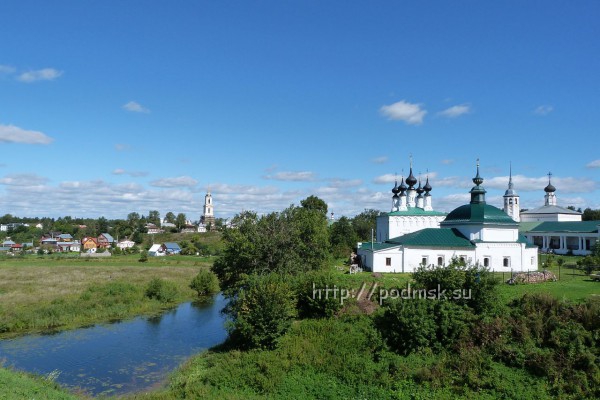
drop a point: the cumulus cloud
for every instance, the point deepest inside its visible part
(347, 183)
(380, 160)
(593, 164)
(14, 134)
(7, 69)
(387, 178)
(135, 107)
(120, 171)
(455, 111)
(46, 74)
(180, 181)
(526, 184)
(448, 161)
(410, 113)
(293, 176)
(543, 110)
(23, 180)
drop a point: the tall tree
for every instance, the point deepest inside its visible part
(180, 221)
(154, 217)
(170, 217)
(315, 203)
(133, 220)
(102, 225)
(364, 223)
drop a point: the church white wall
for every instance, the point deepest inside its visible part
(389, 227)
(549, 217)
(518, 256)
(414, 256)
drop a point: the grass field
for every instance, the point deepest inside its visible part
(53, 292)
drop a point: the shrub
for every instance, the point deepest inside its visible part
(161, 290)
(314, 301)
(143, 256)
(262, 311)
(205, 283)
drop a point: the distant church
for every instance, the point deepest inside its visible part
(207, 220)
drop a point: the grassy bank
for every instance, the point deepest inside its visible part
(22, 386)
(48, 293)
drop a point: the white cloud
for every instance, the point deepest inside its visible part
(121, 171)
(135, 107)
(180, 181)
(293, 176)
(14, 134)
(6, 69)
(410, 113)
(593, 164)
(543, 110)
(527, 184)
(122, 147)
(23, 180)
(380, 160)
(46, 74)
(346, 183)
(455, 111)
(387, 178)
(448, 161)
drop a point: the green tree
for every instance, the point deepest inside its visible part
(293, 241)
(262, 312)
(205, 283)
(315, 203)
(102, 225)
(170, 217)
(343, 237)
(364, 224)
(154, 217)
(180, 221)
(133, 220)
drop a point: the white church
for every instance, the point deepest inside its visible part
(413, 234)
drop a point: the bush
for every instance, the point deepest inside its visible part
(314, 301)
(161, 290)
(418, 324)
(262, 312)
(205, 283)
(470, 285)
(143, 256)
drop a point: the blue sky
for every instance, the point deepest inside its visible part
(111, 107)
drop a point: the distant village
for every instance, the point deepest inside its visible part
(60, 242)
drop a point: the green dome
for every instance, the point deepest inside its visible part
(479, 213)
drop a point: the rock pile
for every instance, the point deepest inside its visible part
(533, 277)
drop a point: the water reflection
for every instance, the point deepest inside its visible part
(120, 357)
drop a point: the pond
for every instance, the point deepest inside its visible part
(123, 357)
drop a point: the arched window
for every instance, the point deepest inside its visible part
(506, 262)
(486, 262)
(440, 261)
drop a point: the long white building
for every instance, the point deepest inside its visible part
(476, 232)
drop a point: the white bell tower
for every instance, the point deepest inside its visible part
(208, 215)
(511, 200)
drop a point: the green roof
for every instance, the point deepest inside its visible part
(567, 226)
(478, 213)
(528, 226)
(433, 237)
(416, 211)
(375, 246)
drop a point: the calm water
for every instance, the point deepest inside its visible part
(122, 357)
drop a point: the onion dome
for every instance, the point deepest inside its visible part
(411, 180)
(402, 187)
(478, 192)
(395, 189)
(427, 188)
(550, 188)
(420, 189)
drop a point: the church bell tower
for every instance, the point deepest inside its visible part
(208, 217)
(511, 200)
